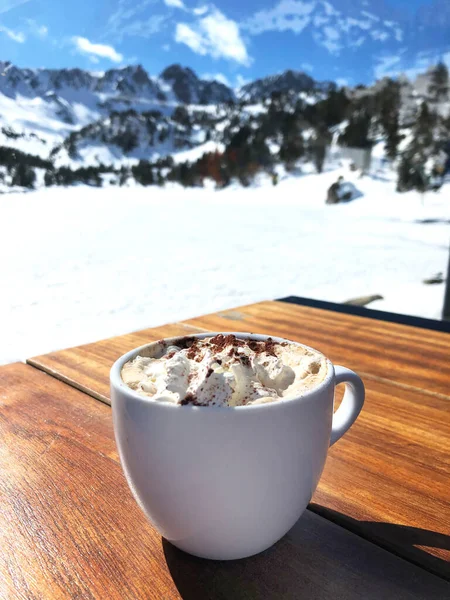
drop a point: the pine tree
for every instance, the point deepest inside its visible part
(159, 179)
(423, 136)
(143, 173)
(439, 84)
(71, 147)
(292, 146)
(127, 140)
(181, 115)
(49, 178)
(404, 174)
(319, 148)
(387, 105)
(123, 175)
(23, 176)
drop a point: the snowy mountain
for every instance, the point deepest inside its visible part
(109, 90)
(53, 103)
(292, 81)
(42, 108)
(129, 134)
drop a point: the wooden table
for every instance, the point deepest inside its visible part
(378, 526)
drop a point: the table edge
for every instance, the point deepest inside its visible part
(370, 313)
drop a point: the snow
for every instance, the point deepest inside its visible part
(193, 154)
(84, 264)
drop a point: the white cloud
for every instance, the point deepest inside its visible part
(124, 12)
(331, 33)
(241, 81)
(366, 25)
(214, 35)
(84, 46)
(342, 82)
(145, 28)
(15, 36)
(318, 21)
(175, 3)
(394, 65)
(422, 63)
(287, 15)
(36, 29)
(369, 15)
(387, 66)
(331, 46)
(358, 42)
(330, 10)
(184, 34)
(398, 34)
(329, 38)
(307, 66)
(379, 35)
(220, 77)
(166, 47)
(201, 10)
(126, 20)
(7, 5)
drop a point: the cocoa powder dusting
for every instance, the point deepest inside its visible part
(220, 341)
(269, 347)
(190, 399)
(194, 350)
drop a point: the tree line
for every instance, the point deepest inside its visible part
(287, 129)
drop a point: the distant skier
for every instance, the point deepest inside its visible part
(334, 191)
(436, 178)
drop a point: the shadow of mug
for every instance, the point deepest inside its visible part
(398, 539)
(317, 559)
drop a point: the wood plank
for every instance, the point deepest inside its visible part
(408, 356)
(87, 367)
(69, 527)
(388, 478)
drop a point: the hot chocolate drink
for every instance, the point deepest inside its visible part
(224, 370)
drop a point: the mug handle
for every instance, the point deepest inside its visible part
(351, 404)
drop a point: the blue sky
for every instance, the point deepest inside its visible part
(233, 40)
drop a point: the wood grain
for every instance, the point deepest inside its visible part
(69, 527)
(405, 355)
(87, 367)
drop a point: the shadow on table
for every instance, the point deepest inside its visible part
(317, 559)
(393, 536)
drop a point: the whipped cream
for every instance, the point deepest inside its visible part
(224, 371)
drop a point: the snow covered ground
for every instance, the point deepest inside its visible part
(81, 264)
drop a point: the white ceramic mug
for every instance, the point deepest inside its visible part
(228, 482)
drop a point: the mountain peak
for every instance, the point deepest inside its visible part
(289, 80)
(190, 89)
(177, 71)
